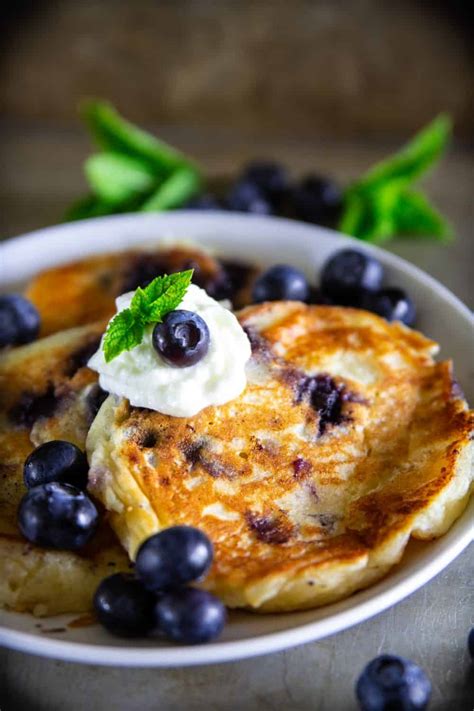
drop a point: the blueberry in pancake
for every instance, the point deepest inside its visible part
(348, 439)
(85, 291)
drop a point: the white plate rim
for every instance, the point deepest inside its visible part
(452, 544)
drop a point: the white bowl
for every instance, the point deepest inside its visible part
(267, 241)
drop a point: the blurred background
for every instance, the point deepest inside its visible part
(321, 85)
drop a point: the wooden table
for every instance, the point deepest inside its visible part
(40, 175)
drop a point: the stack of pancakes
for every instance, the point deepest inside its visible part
(348, 439)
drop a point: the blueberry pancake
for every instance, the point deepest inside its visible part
(47, 393)
(85, 291)
(348, 439)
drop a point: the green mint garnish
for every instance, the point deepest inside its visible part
(134, 171)
(382, 204)
(149, 305)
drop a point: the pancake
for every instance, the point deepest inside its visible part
(85, 291)
(348, 440)
(46, 392)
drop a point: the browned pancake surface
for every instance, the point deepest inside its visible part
(348, 439)
(85, 291)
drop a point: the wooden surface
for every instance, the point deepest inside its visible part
(359, 67)
(40, 175)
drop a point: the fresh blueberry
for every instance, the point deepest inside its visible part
(281, 282)
(56, 461)
(470, 643)
(269, 177)
(245, 196)
(19, 320)
(393, 304)
(190, 616)
(182, 338)
(203, 202)
(316, 199)
(124, 607)
(57, 516)
(175, 556)
(390, 682)
(317, 298)
(349, 274)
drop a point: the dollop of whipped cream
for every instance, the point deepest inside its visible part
(143, 377)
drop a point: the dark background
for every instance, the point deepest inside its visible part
(324, 85)
(323, 67)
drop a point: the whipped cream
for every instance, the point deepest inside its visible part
(143, 377)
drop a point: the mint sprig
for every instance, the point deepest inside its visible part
(382, 204)
(134, 171)
(149, 305)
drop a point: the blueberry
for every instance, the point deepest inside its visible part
(203, 202)
(470, 643)
(316, 297)
(190, 616)
(316, 199)
(245, 196)
(175, 556)
(19, 320)
(349, 274)
(57, 516)
(390, 682)
(56, 461)
(124, 607)
(393, 304)
(281, 282)
(182, 339)
(269, 177)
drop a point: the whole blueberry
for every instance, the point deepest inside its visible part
(175, 556)
(19, 320)
(393, 304)
(57, 516)
(348, 274)
(316, 199)
(124, 607)
(203, 202)
(56, 461)
(182, 338)
(190, 616)
(245, 196)
(270, 177)
(281, 282)
(391, 683)
(470, 643)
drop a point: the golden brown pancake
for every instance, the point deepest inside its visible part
(348, 439)
(46, 392)
(85, 291)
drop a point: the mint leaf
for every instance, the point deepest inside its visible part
(114, 133)
(124, 332)
(370, 216)
(114, 177)
(174, 191)
(161, 296)
(413, 159)
(352, 214)
(148, 305)
(380, 204)
(415, 216)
